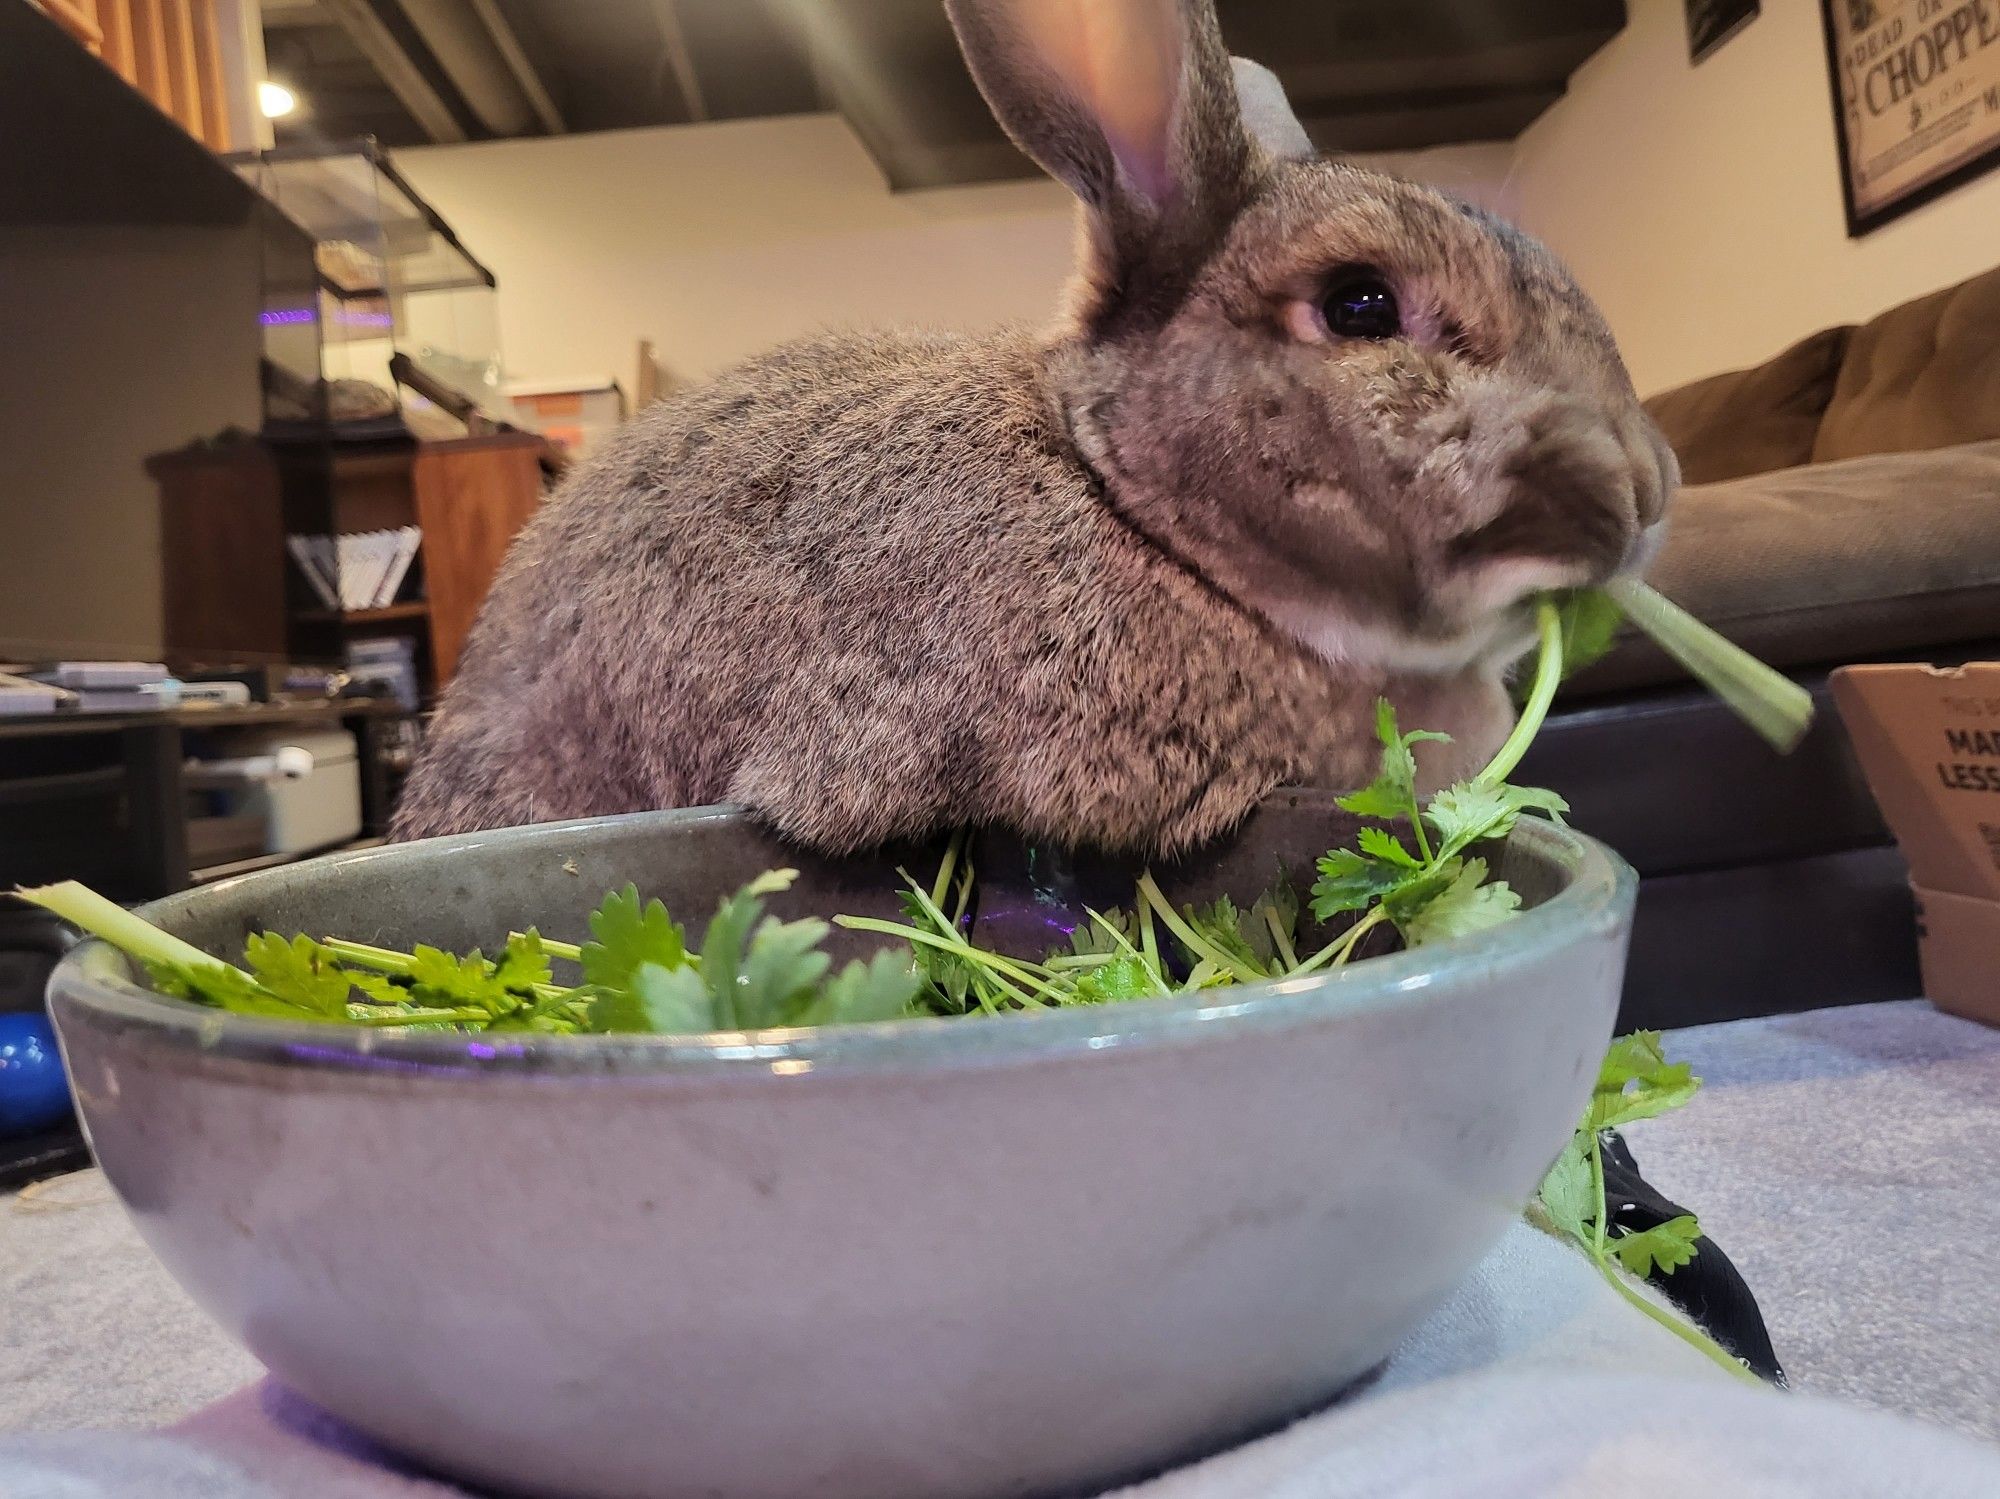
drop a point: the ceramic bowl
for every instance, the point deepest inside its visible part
(1028, 1255)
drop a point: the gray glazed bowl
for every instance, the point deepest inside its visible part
(1020, 1256)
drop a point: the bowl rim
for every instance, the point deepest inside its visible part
(93, 984)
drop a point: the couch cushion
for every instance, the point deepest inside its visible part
(1896, 553)
(1922, 375)
(1755, 420)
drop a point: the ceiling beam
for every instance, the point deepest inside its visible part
(680, 58)
(407, 79)
(473, 63)
(526, 74)
(1419, 120)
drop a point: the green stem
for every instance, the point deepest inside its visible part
(1597, 1196)
(941, 886)
(1281, 942)
(361, 955)
(110, 922)
(1341, 947)
(1069, 962)
(402, 964)
(1769, 701)
(929, 906)
(555, 949)
(1192, 940)
(1149, 937)
(1000, 968)
(1686, 1331)
(964, 900)
(1548, 677)
(387, 1015)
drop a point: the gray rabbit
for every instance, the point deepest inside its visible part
(1304, 435)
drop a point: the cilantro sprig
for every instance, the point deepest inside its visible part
(1636, 1081)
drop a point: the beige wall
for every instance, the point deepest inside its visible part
(119, 343)
(718, 241)
(1701, 206)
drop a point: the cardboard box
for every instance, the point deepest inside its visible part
(573, 414)
(1929, 742)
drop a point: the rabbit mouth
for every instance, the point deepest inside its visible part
(1488, 645)
(1644, 551)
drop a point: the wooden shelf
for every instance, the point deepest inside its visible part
(409, 609)
(234, 716)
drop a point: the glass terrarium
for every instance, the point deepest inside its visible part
(408, 318)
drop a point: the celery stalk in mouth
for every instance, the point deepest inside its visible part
(1768, 701)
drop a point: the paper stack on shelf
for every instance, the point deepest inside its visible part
(20, 694)
(361, 570)
(103, 687)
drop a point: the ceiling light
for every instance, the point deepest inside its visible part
(275, 100)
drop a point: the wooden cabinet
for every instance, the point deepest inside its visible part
(231, 588)
(470, 505)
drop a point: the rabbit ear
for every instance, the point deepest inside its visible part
(1267, 114)
(1132, 104)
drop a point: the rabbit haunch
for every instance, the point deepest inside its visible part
(1109, 585)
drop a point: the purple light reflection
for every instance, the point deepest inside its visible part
(475, 1051)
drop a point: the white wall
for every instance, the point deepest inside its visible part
(1701, 206)
(718, 241)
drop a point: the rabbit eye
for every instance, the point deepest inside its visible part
(1361, 305)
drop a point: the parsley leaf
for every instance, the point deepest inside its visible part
(1668, 1245)
(1590, 620)
(1348, 881)
(1380, 843)
(627, 932)
(525, 963)
(1393, 793)
(1221, 925)
(1115, 982)
(1567, 1195)
(1105, 933)
(1465, 905)
(667, 1001)
(1274, 924)
(781, 970)
(299, 972)
(883, 988)
(1638, 1082)
(218, 985)
(1473, 812)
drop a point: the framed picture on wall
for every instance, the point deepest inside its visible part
(1916, 100)
(1713, 22)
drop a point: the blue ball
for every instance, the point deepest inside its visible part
(34, 1094)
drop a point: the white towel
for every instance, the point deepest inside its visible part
(1534, 1382)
